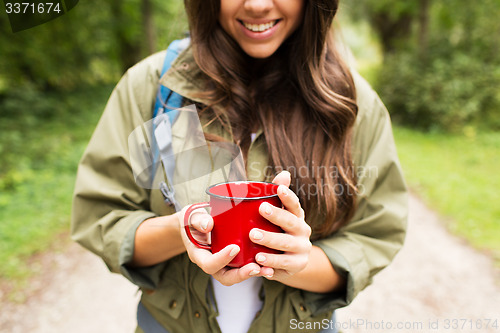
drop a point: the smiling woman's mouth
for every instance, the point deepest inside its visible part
(259, 27)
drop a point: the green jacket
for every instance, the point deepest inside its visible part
(108, 207)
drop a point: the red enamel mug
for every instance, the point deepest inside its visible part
(234, 207)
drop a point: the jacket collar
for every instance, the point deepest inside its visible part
(185, 77)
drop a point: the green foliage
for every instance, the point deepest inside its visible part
(39, 160)
(446, 76)
(170, 22)
(363, 48)
(58, 54)
(443, 93)
(457, 175)
(88, 45)
(48, 110)
(391, 20)
(390, 8)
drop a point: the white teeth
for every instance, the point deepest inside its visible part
(259, 27)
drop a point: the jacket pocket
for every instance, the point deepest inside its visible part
(301, 310)
(304, 316)
(170, 300)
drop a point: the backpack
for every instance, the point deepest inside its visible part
(165, 113)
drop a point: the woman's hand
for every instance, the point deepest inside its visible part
(214, 264)
(294, 242)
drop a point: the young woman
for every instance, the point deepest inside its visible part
(265, 75)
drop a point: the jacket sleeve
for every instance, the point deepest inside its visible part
(377, 230)
(108, 205)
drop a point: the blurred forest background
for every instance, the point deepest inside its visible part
(435, 63)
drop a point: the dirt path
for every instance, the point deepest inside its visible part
(76, 294)
(436, 284)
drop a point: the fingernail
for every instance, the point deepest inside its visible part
(204, 224)
(257, 235)
(283, 190)
(234, 251)
(268, 276)
(267, 208)
(260, 258)
(253, 273)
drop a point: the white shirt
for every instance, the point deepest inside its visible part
(237, 304)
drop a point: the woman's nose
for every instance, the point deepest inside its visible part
(258, 6)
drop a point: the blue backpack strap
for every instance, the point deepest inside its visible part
(166, 97)
(167, 102)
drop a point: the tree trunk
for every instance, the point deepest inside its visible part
(391, 30)
(148, 25)
(423, 27)
(129, 51)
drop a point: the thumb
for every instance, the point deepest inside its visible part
(283, 178)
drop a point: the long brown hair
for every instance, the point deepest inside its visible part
(303, 97)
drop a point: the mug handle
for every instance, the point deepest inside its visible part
(187, 217)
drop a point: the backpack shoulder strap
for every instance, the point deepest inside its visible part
(167, 102)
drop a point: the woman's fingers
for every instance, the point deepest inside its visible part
(216, 264)
(295, 248)
(281, 241)
(201, 221)
(283, 178)
(287, 220)
(229, 276)
(287, 196)
(290, 201)
(286, 262)
(211, 263)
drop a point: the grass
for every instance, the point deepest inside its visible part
(40, 151)
(457, 175)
